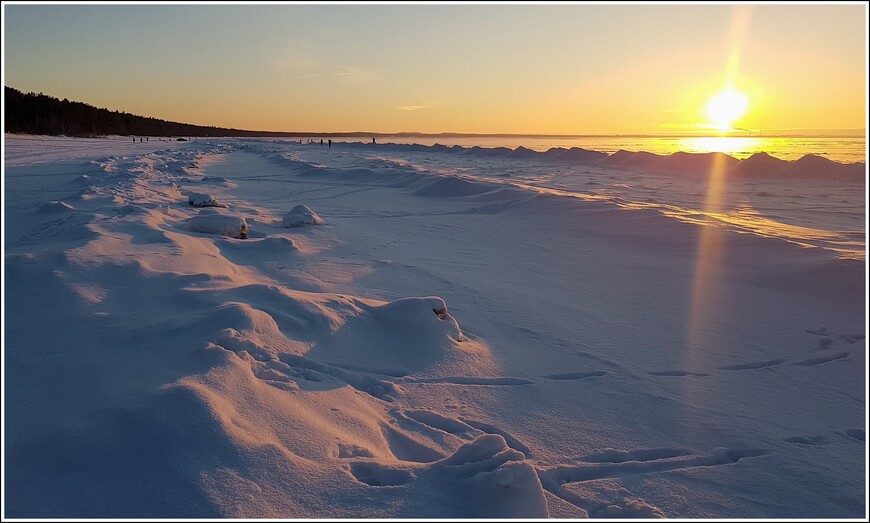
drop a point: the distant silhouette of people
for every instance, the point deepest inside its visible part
(330, 144)
(373, 140)
(321, 142)
(134, 139)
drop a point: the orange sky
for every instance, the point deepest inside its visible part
(550, 69)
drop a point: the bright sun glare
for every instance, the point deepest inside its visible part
(726, 107)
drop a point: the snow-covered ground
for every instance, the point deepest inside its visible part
(459, 335)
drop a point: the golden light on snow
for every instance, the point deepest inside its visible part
(708, 309)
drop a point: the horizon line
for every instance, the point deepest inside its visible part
(772, 133)
(414, 134)
(735, 132)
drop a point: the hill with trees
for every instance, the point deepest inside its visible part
(37, 113)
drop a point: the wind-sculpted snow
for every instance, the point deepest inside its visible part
(452, 186)
(759, 165)
(452, 345)
(760, 195)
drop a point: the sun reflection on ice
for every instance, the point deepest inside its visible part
(737, 146)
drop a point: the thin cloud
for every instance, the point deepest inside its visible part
(354, 75)
(306, 67)
(411, 107)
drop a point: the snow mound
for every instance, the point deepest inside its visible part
(760, 164)
(498, 478)
(630, 158)
(300, 216)
(408, 334)
(202, 200)
(816, 167)
(523, 152)
(696, 162)
(484, 478)
(56, 207)
(574, 154)
(426, 315)
(225, 225)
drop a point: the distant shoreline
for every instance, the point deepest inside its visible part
(361, 134)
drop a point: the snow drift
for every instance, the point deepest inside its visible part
(809, 166)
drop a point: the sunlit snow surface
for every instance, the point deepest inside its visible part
(465, 333)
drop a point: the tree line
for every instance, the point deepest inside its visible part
(37, 113)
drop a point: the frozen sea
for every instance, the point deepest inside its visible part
(256, 328)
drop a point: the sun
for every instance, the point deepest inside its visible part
(726, 107)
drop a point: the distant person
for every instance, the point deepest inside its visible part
(134, 140)
(373, 140)
(330, 144)
(321, 142)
